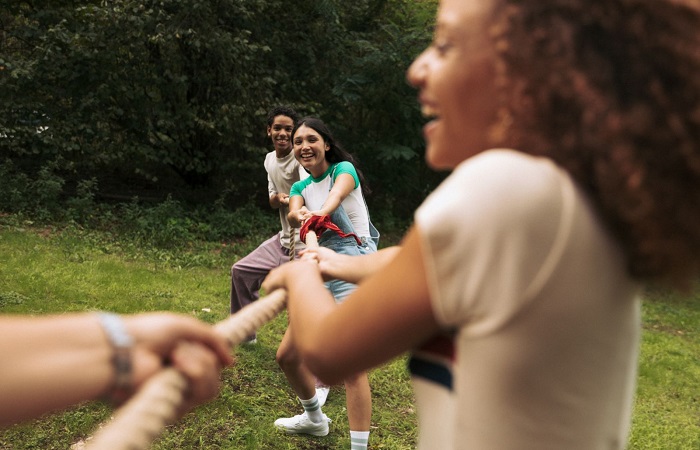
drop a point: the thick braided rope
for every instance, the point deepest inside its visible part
(141, 420)
(292, 242)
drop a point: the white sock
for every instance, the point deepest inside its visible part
(312, 408)
(359, 440)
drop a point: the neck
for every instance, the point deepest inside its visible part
(282, 152)
(318, 171)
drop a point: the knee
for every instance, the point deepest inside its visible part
(287, 358)
(235, 270)
(355, 380)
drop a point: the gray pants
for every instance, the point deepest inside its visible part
(249, 272)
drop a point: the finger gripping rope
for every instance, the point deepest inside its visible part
(139, 421)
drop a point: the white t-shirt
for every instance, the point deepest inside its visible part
(315, 192)
(542, 318)
(282, 173)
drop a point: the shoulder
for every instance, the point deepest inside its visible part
(511, 169)
(498, 196)
(270, 161)
(501, 215)
(270, 157)
(346, 167)
(496, 178)
(299, 186)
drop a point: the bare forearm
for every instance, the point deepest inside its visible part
(391, 307)
(331, 204)
(354, 269)
(50, 363)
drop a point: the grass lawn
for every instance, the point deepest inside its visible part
(44, 271)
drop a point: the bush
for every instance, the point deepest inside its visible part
(39, 197)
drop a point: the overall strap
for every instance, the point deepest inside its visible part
(373, 232)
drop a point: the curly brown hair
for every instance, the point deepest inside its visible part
(610, 90)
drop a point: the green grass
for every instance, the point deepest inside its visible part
(45, 271)
(667, 407)
(54, 271)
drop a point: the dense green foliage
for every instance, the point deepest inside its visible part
(113, 99)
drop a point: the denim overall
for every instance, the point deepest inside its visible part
(346, 246)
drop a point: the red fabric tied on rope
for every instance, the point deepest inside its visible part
(319, 224)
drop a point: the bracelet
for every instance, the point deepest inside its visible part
(121, 342)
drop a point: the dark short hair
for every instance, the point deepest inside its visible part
(282, 111)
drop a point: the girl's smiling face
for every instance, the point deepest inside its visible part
(310, 150)
(455, 78)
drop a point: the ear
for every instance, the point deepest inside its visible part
(269, 130)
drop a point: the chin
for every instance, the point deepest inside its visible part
(438, 160)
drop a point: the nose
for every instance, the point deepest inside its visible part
(415, 75)
(301, 145)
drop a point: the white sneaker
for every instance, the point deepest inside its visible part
(322, 394)
(301, 424)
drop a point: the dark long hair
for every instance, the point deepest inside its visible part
(336, 153)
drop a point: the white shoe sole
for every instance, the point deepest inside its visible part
(321, 432)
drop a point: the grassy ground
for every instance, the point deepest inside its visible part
(667, 409)
(44, 271)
